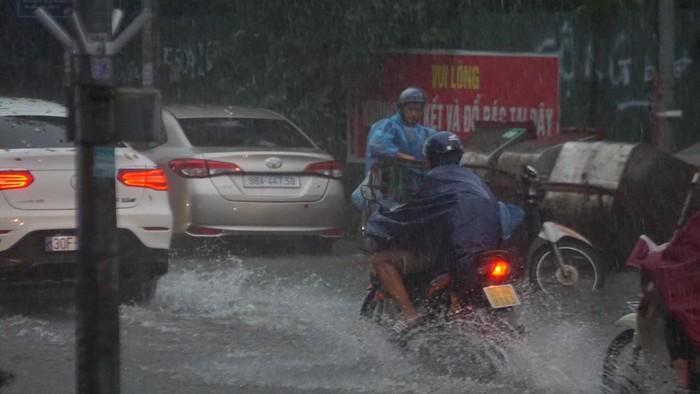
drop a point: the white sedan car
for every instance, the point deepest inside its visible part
(38, 239)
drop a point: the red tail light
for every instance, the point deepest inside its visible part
(15, 179)
(151, 178)
(498, 270)
(332, 169)
(204, 231)
(332, 233)
(198, 168)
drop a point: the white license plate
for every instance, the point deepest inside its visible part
(61, 243)
(501, 296)
(288, 181)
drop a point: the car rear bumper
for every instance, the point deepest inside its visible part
(28, 264)
(152, 226)
(322, 217)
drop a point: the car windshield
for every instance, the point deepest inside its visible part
(488, 139)
(243, 132)
(22, 132)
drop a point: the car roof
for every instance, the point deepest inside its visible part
(183, 111)
(22, 106)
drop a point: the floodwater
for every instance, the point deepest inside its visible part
(228, 321)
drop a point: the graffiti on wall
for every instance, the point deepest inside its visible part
(622, 65)
(194, 61)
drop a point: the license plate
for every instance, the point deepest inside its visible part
(61, 243)
(283, 181)
(501, 296)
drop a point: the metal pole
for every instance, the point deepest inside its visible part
(147, 48)
(97, 326)
(666, 28)
(91, 103)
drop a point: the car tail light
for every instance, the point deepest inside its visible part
(204, 231)
(198, 168)
(332, 233)
(15, 179)
(332, 169)
(150, 178)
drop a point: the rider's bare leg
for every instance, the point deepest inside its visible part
(392, 281)
(681, 367)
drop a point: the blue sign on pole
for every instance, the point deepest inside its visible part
(55, 8)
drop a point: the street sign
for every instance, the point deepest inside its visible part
(55, 8)
(464, 88)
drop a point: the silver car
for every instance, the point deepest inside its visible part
(235, 170)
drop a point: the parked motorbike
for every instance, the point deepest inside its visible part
(558, 259)
(637, 360)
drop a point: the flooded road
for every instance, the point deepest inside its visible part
(225, 322)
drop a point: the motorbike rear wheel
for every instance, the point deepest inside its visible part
(584, 273)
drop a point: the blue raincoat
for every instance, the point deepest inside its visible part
(451, 217)
(388, 136)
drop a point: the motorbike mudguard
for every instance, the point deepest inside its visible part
(627, 321)
(553, 232)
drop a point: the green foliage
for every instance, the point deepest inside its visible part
(305, 57)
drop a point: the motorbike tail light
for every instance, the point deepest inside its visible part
(15, 179)
(199, 168)
(150, 178)
(497, 270)
(331, 169)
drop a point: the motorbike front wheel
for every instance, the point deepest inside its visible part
(583, 271)
(378, 307)
(620, 362)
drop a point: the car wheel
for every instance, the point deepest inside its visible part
(137, 290)
(320, 245)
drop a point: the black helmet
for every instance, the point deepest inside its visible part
(412, 95)
(443, 147)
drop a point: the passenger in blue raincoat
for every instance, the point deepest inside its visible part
(399, 136)
(452, 217)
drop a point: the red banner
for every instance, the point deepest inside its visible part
(463, 88)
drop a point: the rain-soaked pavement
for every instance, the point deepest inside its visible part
(227, 321)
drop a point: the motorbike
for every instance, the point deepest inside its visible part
(467, 326)
(558, 257)
(638, 359)
(558, 260)
(443, 297)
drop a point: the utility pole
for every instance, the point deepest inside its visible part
(91, 100)
(150, 46)
(667, 111)
(97, 291)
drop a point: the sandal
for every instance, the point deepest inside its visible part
(401, 329)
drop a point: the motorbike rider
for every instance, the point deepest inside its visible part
(450, 218)
(670, 282)
(400, 136)
(677, 279)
